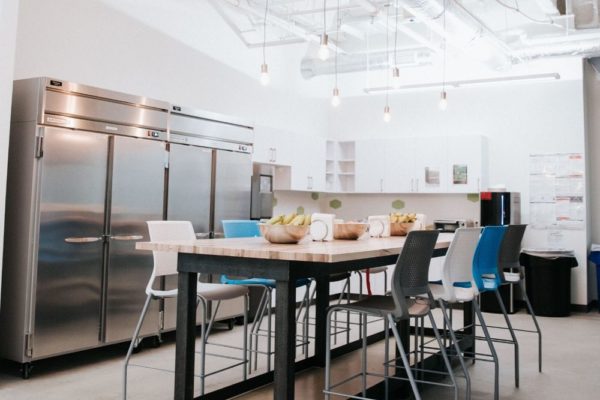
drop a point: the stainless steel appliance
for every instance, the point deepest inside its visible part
(87, 168)
(451, 225)
(262, 191)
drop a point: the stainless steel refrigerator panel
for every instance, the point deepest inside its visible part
(211, 129)
(68, 104)
(137, 197)
(190, 170)
(232, 188)
(73, 182)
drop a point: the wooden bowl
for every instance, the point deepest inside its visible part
(284, 234)
(349, 230)
(401, 228)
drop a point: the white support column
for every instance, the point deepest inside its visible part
(8, 37)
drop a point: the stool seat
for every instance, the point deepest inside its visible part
(260, 282)
(218, 291)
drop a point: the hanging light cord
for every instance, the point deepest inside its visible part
(517, 9)
(265, 31)
(337, 35)
(396, 38)
(445, 48)
(387, 52)
(324, 16)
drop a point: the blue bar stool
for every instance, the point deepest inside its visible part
(245, 229)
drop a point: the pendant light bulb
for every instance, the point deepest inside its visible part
(387, 116)
(324, 47)
(335, 100)
(396, 77)
(264, 75)
(443, 101)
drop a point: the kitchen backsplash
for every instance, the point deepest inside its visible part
(360, 206)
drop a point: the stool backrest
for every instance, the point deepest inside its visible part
(240, 228)
(485, 261)
(510, 249)
(412, 268)
(165, 263)
(458, 266)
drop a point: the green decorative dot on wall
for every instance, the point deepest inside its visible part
(274, 201)
(300, 210)
(314, 196)
(398, 204)
(473, 197)
(335, 204)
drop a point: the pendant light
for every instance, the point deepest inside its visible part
(396, 70)
(264, 68)
(387, 115)
(443, 104)
(324, 47)
(335, 100)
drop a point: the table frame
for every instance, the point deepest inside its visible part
(285, 273)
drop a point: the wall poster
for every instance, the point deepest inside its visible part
(557, 189)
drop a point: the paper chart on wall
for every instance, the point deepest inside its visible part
(557, 187)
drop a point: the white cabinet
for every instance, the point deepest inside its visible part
(272, 146)
(466, 169)
(431, 165)
(400, 158)
(307, 170)
(369, 166)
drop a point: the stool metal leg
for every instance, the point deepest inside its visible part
(245, 350)
(328, 355)
(444, 355)
(490, 343)
(134, 339)
(456, 348)
(404, 358)
(269, 328)
(512, 334)
(203, 346)
(537, 326)
(363, 359)
(386, 371)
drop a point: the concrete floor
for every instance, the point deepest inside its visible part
(571, 369)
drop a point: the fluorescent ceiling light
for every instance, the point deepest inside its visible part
(471, 82)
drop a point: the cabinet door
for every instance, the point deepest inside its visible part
(370, 166)
(272, 146)
(263, 146)
(464, 164)
(316, 165)
(431, 165)
(399, 171)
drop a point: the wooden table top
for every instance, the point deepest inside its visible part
(306, 250)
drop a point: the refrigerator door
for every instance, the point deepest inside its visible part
(232, 188)
(70, 247)
(137, 197)
(190, 171)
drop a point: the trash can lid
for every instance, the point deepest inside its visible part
(549, 252)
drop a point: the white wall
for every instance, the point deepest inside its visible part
(8, 32)
(99, 45)
(518, 120)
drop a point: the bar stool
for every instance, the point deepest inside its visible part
(488, 278)
(165, 263)
(456, 287)
(409, 282)
(512, 272)
(249, 228)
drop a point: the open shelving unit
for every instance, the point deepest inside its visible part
(340, 166)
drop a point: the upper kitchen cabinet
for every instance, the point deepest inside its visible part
(467, 169)
(399, 173)
(272, 146)
(307, 171)
(431, 164)
(370, 165)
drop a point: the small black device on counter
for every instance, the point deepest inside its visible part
(451, 225)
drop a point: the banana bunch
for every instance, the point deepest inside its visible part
(290, 219)
(403, 218)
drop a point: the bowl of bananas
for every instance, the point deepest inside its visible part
(349, 230)
(286, 229)
(401, 224)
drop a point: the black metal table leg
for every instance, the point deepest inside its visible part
(285, 340)
(185, 336)
(321, 319)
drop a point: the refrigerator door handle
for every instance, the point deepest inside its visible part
(127, 237)
(83, 239)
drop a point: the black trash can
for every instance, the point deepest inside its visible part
(548, 283)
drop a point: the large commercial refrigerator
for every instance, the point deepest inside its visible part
(87, 168)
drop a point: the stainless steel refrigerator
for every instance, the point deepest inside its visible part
(87, 169)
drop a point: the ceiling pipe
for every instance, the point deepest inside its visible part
(587, 48)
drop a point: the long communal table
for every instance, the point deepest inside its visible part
(255, 257)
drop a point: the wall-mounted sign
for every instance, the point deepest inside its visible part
(459, 174)
(432, 176)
